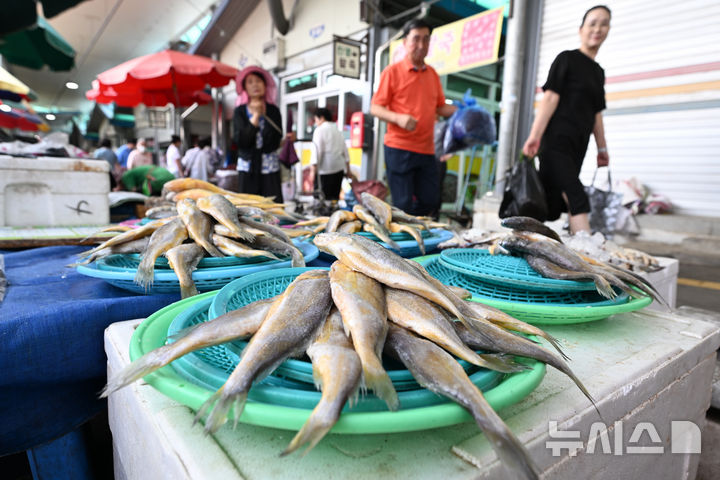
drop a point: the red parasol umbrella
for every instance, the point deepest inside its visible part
(16, 118)
(150, 98)
(168, 70)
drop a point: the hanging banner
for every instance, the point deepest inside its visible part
(468, 43)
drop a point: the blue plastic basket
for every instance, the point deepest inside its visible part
(211, 366)
(505, 270)
(165, 281)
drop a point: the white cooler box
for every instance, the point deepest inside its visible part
(49, 191)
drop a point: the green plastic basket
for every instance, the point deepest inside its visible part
(533, 307)
(152, 333)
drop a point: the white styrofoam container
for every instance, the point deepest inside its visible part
(49, 191)
(643, 368)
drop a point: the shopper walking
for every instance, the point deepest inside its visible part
(570, 110)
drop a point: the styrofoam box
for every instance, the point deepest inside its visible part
(49, 191)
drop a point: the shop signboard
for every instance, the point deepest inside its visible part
(468, 43)
(346, 58)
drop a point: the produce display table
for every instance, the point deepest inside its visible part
(645, 369)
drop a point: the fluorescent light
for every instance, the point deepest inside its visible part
(50, 116)
(448, 101)
(72, 85)
(5, 108)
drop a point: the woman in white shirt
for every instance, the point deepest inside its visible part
(329, 154)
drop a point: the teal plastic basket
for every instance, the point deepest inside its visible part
(133, 260)
(505, 270)
(532, 306)
(268, 284)
(210, 368)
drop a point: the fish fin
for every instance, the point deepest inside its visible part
(145, 272)
(141, 367)
(556, 344)
(314, 429)
(219, 414)
(213, 250)
(379, 382)
(298, 260)
(187, 291)
(502, 363)
(603, 287)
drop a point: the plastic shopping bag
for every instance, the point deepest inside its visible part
(524, 194)
(470, 125)
(605, 206)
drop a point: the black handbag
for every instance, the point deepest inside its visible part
(524, 194)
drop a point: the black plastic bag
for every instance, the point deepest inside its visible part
(524, 194)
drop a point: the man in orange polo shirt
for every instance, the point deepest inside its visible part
(408, 98)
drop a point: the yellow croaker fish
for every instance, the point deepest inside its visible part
(234, 325)
(298, 233)
(198, 224)
(337, 372)
(350, 227)
(338, 218)
(460, 292)
(225, 213)
(133, 246)
(508, 322)
(381, 211)
(488, 336)
(531, 225)
(373, 226)
(276, 232)
(401, 217)
(312, 222)
(193, 194)
(274, 245)
(361, 302)
(163, 239)
(247, 211)
(236, 249)
(144, 231)
(427, 320)
(374, 260)
(184, 259)
(436, 370)
(290, 325)
(413, 232)
(549, 269)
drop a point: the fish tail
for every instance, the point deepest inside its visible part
(141, 367)
(242, 233)
(377, 380)
(508, 448)
(603, 287)
(145, 272)
(213, 250)
(298, 260)
(219, 414)
(311, 432)
(187, 291)
(556, 344)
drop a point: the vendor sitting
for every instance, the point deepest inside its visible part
(147, 179)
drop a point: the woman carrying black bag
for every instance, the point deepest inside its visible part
(570, 110)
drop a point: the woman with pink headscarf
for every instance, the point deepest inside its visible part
(257, 133)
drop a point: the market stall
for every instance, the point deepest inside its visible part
(639, 366)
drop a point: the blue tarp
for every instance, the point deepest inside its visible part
(52, 360)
